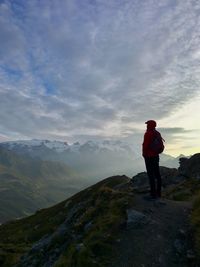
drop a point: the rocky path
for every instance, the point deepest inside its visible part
(157, 235)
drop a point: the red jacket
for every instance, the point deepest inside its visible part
(147, 151)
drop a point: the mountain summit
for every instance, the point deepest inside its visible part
(111, 224)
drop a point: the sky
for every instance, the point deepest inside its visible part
(76, 70)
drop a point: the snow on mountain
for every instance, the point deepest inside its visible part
(29, 144)
(58, 146)
(115, 146)
(99, 158)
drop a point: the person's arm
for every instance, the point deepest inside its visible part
(146, 143)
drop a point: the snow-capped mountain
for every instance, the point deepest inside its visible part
(29, 144)
(59, 147)
(96, 159)
(91, 159)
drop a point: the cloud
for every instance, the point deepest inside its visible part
(96, 68)
(176, 130)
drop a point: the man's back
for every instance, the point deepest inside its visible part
(151, 157)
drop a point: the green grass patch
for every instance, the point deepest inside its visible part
(195, 221)
(97, 222)
(184, 191)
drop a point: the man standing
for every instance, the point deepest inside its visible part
(151, 148)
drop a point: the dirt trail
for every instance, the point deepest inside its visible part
(158, 236)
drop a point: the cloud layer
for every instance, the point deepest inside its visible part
(72, 69)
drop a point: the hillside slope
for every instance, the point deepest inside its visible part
(111, 224)
(28, 184)
(77, 232)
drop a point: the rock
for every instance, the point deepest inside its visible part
(190, 167)
(36, 227)
(170, 176)
(140, 180)
(67, 203)
(158, 236)
(79, 246)
(136, 218)
(179, 246)
(160, 202)
(161, 259)
(182, 233)
(77, 237)
(124, 185)
(190, 254)
(88, 226)
(43, 249)
(41, 244)
(148, 210)
(57, 251)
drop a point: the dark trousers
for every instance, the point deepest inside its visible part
(153, 171)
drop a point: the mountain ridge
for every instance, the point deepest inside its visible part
(60, 146)
(28, 184)
(91, 159)
(91, 227)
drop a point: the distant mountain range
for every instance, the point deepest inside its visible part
(28, 184)
(58, 146)
(92, 159)
(38, 173)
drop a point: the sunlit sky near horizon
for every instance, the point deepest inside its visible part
(75, 70)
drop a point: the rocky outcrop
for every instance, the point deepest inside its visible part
(169, 176)
(112, 215)
(47, 250)
(190, 168)
(136, 218)
(80, 229)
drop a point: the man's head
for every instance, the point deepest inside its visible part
(151, 124)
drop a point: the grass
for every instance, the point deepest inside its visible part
(195, 221)
(184, 191)
(97, 223)
(107, 215)
(189, 190)
(28, 184)
(17, 237)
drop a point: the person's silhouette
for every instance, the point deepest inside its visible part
(151, 157)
